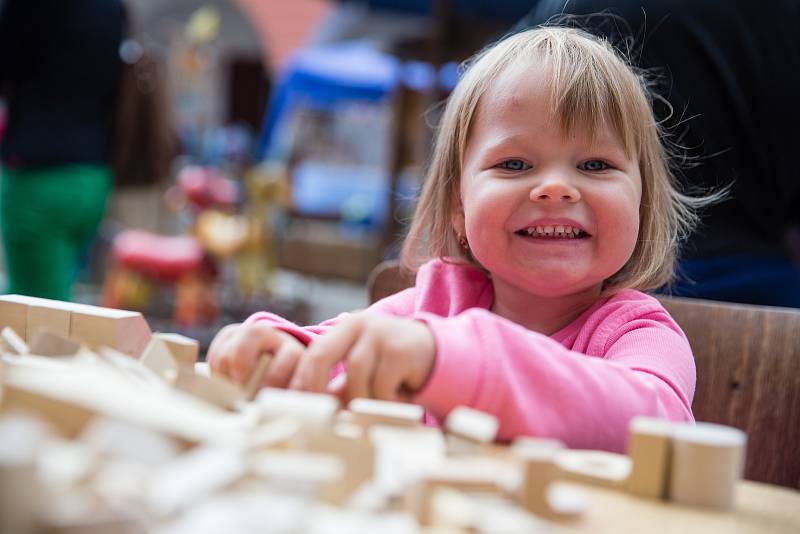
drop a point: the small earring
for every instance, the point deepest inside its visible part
(462, 240)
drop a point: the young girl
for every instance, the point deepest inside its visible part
(549, 206)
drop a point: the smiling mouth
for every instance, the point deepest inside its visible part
(553, 232)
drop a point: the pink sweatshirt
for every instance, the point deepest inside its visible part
(622, 357)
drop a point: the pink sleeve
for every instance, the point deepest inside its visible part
(537, 387)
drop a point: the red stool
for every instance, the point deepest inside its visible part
(141, 260)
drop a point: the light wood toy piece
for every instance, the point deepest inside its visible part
(184, 349)
(133, 370)
(650, 450)
(158, 358)
(125, 331)
(368, 412)
(213, 389)
(324, 474)
(65, 417)
(48, 343)
(539, 491)
(470, 431)
(599, 468)
(312, 409)
(451, 473)
(43, 316)
(14, 314)
(192, 476)
(12, 342)
(257, 377)
(20, 488)
(707, 462)
(357, 456)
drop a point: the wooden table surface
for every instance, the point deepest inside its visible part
(759, 509)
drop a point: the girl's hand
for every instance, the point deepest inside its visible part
(387, 358)
(235, 350)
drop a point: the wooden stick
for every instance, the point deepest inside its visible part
(257, 377)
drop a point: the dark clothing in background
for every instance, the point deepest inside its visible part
(731, 71)
(59, 72)
(59, 67)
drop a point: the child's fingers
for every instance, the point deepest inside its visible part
(314, 369)
(387, 379)
(213, 358)
(361, 360)
(283, 364)
(246, 346)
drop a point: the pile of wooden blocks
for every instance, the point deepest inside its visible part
(110, 428)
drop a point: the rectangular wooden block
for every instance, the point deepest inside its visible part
(369, 412)
(12, 342)
(158, 358)
(257, 378)
(184, 349)
(52, 319)
(13, 314)
(211, 389)
(125, 331)
(67, 417)
(650, 450)
(357, 455)
(48, 343)
(472, 424)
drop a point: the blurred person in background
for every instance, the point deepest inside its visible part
(730, 72)
(59, 72)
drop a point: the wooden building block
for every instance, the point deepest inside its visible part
(14, 314)
(323, 474)
(599, 468)
(473, 425)
(99, 521)
(122, 440)
(707, 462)
(43, 317)
(538, 472)
(213, 389)
(650, 450)
(20, 488)
(48, 343)
(158, 358)
(67, 418)
(538, 491)
(256, 378)
(369, 412)
(184, 349)
(131, 369)
(125, 331)
(12, 342)
(467, 476)
(275, 434)
(357, 456)
(192, 476)
(313, 409)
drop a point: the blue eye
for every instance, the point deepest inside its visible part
(514, 165)
(594, 165)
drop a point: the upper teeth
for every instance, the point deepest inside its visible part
(554, 231)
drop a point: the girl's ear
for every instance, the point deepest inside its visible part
(457, 218)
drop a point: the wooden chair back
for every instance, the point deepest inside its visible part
(748, 372)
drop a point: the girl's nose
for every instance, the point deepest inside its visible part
(554, 190)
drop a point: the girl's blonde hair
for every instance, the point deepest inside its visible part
(591, 85)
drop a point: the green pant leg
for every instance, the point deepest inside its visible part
(47, 216)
